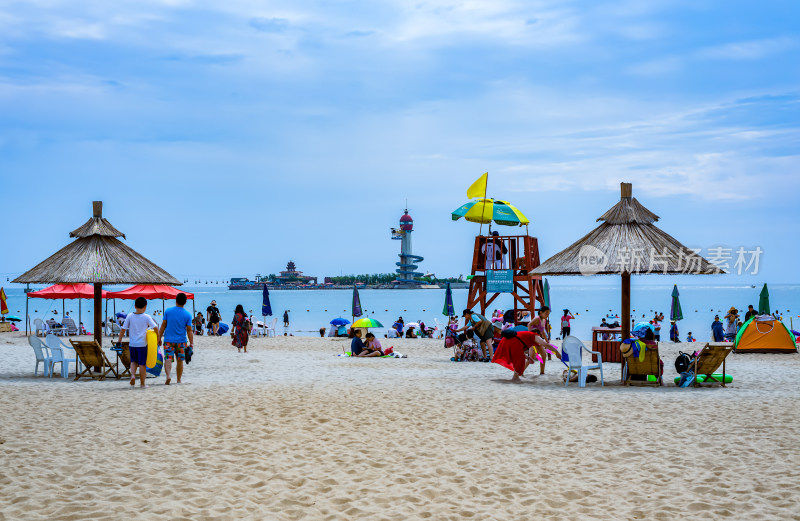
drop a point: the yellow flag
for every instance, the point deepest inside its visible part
(3, 304)
(478, 188)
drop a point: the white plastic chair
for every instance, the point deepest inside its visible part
(42, 355)
(272, 327)
(40, 327)
(574, 348)
(57, 355)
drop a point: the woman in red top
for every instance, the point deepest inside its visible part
(511, 351)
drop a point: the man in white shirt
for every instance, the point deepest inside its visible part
(137, 325)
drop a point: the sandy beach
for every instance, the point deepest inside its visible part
(291, 431)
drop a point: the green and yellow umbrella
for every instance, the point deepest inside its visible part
(485, 211)
(366, 322)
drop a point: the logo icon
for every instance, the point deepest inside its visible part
(591, 260)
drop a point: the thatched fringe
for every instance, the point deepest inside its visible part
(96, 226)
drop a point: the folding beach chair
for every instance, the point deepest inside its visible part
(94, 360)
(707, 362)
(636, 372)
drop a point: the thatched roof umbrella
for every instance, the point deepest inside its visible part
(97, 257)
(627, 242)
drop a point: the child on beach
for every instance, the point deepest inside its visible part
(137, 324)
(468, 350)
(690, 338)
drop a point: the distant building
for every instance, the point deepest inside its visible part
(291, 276)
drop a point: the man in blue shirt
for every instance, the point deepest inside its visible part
(356, 345)
(175, 327)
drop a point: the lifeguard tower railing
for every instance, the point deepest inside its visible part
(520, 255)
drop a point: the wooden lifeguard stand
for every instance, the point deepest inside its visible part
(520, 255)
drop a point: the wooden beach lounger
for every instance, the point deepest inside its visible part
(92, 356)
(708, 361)
(649, 366)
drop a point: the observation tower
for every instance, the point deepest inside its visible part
(407, 267)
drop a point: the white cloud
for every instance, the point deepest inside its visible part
(748, 50)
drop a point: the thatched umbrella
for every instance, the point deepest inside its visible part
(97, 257)
(627, 242)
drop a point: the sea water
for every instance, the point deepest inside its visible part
(310, 310)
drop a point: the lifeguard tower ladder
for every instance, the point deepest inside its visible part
(520, 255)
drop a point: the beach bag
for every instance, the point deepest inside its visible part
(683, 362)
(449, 342)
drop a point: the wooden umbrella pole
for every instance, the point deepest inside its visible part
(98, 311)
(626, 315)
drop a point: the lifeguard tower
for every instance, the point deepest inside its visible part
(502, 263)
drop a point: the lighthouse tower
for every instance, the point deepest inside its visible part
(407, 267)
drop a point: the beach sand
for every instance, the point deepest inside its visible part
(290, 431)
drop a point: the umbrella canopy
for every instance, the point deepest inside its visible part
(13, 318)
(448, 310)
(67, 291)
(763, 301)
(485, 211)
(148, 291)
(627, 242)
(367, 322)
(356, 303)
(412, 324)
(97, 256)
(675, 311)
(339, 321)
(121, 314)
(266, 307)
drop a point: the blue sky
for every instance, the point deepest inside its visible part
(226, 139)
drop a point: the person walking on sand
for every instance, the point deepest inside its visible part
(175, 328)
(212, 316)
(240, 329)
(286, 318)
(136, 325)
(565, 327)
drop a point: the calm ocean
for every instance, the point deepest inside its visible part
(311, 310)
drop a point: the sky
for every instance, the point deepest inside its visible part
(226, 138)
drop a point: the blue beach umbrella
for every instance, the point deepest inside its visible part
(266, 307)
(356, 303)
(675, 311)
(448, 310)
(13, 318)
(339, 321)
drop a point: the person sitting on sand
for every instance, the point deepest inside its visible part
(511, 351)
(392, 333)
(372, 347)
(356, 345)
(410, 333)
